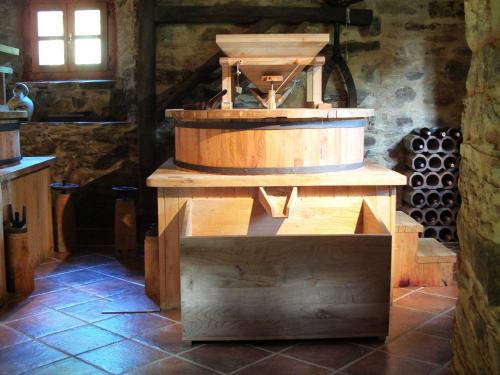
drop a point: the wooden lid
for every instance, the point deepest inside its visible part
(261, 114)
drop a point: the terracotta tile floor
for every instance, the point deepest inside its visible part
(60, 329)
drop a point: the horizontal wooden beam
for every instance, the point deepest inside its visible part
(252, 61)
(9, 50)
(252, 14)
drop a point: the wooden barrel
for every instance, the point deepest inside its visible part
(235, 144)
(10, 148)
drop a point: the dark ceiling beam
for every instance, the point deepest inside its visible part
(252, 14)
(342, 3)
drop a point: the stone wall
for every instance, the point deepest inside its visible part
(476, 340)
(410, 65)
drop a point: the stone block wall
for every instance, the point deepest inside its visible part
(410, 65)
(476, 341)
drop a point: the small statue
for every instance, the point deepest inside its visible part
(20, 100)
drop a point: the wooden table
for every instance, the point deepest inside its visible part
(203, 212)
(28, 184)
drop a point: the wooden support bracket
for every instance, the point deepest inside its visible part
(272, 208)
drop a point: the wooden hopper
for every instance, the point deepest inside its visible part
(265, 57)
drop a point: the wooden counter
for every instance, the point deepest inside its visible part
(28, 184)
(206, 213)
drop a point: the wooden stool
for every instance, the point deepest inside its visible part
(125, 222)
(64, 217)
(151, 264)
(20, 271)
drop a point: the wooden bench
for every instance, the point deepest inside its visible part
(419, 261)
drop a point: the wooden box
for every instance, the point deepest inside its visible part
(322, 272)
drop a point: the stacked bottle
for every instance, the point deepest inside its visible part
(431, 196)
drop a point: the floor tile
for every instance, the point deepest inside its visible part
(446, 371)
(115, 269)
(27, 356)
(130, 303)
(403, 319)
(17, 309)
(426, 302)
(447, 291)
(225, 357)
(279, 365)
(273, 346)
(10, 337)
(441, 326)
(65, 298)
(173, 366)
(69, 366)
(89, 311)
(129, 325)
(81, 339)
(80, 277)
(380, 363)
(45, 324)
(399, 292)
(89, 260)
(46, 285)
(122, 356)
(334, 354)
(111, 287)
(420, 346)
(168, 338)
(54, 268)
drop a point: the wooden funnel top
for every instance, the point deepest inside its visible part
(262, 56)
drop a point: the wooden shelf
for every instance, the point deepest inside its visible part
(9, 50)
(168, 175)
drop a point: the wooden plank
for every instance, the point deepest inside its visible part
(175, 94)
(168, 175)
(271, 45)
(291, 201)
(6, 70)
(288, 60)
(6, 114)
(250, 14)
(285, 287)
(405, 223)
(26, 165)
(432, 251)
(257, 114)
(267, 203)
(146, 98)
(404, 268)
(371, 222)
(9, 50)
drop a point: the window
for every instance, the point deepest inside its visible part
(69, 39)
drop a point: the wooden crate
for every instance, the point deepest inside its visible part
(323, 272)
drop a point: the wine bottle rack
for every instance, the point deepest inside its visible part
(431, 196)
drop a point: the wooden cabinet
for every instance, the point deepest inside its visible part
(28, 184)
(319, 268)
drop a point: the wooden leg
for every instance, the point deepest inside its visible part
(168, 233)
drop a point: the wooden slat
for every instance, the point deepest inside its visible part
(432, 251)
(25, 166)
(285, 287)
(405, 223)
(370, 175)
(251, 14)
(6, 70)
(6, 114)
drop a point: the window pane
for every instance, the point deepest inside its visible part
(88, 51)
(50, 23)
(51, 52)
(88, 22)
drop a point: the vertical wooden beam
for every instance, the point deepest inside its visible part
(146, 98)
(3, 93)
(227, 84)
(315, 85)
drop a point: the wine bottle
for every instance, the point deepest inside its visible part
(430, 232)
(415, 179)
(414, 143)
(448, 145)
(431, 216)
(423, 132)
(448, 198)
(432, 180)
(433, 198)
(432, 144)
(415, 213)
(450, 162)
(445, 234)
(438, 132)
(446, 216)
(434, 162)
(415, 198)
(454, 133)
(417, 162)
(448, 180)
